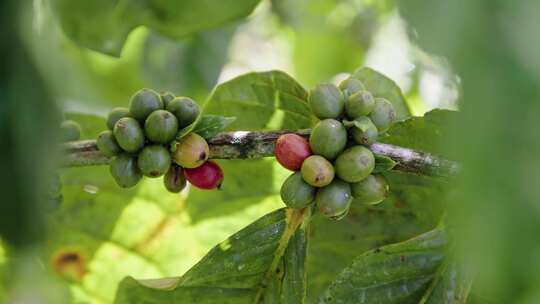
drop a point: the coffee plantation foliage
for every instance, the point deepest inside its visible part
(324, 221)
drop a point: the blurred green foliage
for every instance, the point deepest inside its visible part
(102, 233)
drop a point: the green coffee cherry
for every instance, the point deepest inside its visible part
(174, 180)
(107, 144)
(191, 151)
(350, 86)
(167, 97)
(114, 115)
(154, 161)
(383, 115)
(365, 133)
(71, 130)
(328, 138)
(185, 109)
(129, 134)
(296, 193)
(161, 127)
(317, 171)
(124, 170)
(334, 199)
(359, 104)
(341, 215)
(143, 103)
(372, 190)
(326, 101)
(355, 164)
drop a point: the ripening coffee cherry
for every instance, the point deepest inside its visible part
(124, 170)
(161, 127)
(167, 97)
(372, 190)
(328, 138)
(317, 171)
(185, 109)
(383, 115)
(296, 193)
(191, 151)
(114, 115)
(143, 103)
(350, 86)
(334, 199)
(107, 144)
(129, 134)
(71, 130)
(291, 150)
(359, 104)
(208, 176)
(355, 164)
(367, 137)
(154, 161)
(174, 180)
(326, 101)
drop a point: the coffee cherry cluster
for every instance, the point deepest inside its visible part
(335, 166)
(140, 140)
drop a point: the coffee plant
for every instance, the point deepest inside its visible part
(269, 152)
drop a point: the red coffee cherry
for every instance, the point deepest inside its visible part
(207, 176)
(291, 150)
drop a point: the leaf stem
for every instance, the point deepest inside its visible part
(258, 144)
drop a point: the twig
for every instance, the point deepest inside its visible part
(258, 144)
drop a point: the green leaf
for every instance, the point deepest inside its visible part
(210, 125)
(451, 285)
(362, 125)
(397, 273)
(383, 87)
(426, 133)
(383, 164)
(262, 100)
(104, 25)
(263, 261)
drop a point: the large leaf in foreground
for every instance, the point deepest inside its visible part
(104, 25)
(397, 273)
(261, 263)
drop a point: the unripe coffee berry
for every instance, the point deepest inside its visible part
(143, 103)
(115, 115)
(350, 86)
(359, 104)
(328, 138)
(326, 101)
(161, 127)
(154, 161)
(124, 170)
(71, 130)
(174, 180)
(191, 151)
(365, 133)
(167, 97)
(185, 109)
(107, 144)
(207, 176)
(372, 190)
(291, 151)
(129, 134)
(383, 115)
(334, 199)
(296, 193)
(317, 171)
(355, 164)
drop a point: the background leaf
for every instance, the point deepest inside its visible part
(103, 26)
